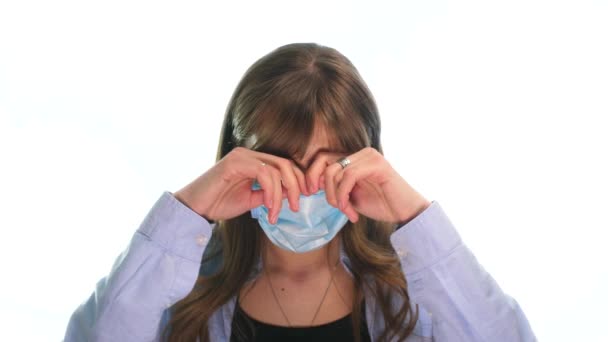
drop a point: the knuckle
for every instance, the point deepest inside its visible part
(372, 151)
(238, 150)
(284, 164)
(293, 164)
(261, 169)
(227, 172)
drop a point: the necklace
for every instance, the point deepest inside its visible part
(320, 304)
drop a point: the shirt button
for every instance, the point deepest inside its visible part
(401, 253)
(201, 240)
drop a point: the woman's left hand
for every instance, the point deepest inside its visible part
(368, 185)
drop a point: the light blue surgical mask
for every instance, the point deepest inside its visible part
(314, 225)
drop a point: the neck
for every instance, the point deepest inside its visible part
(298, 265)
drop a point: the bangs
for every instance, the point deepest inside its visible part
(282, 129)
(285, 128)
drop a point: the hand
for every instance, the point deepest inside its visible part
(224, 191)
(368, 185)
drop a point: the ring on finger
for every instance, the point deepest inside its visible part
(343, 162)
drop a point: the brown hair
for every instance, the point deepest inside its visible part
(275, 108)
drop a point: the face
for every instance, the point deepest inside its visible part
(318, 154)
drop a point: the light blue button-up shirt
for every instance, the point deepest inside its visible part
(457, 299)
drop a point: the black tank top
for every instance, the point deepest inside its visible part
(248, 329)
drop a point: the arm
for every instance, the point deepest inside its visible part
(444, 276)
(158, 268)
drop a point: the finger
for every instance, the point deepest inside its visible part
(317, 168)
(291, 183)
(277, 195)
(345, 205)
(351, 213)
(301, 180)
(287, 174)
(312, 174)
(257, 198)
(348, 177)
(330, 183)
(264, 177)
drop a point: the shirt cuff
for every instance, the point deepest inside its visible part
(425, 239)
(176, 228)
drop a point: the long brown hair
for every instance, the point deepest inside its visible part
(274, 109)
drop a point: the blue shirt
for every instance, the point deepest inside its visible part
(457, 299)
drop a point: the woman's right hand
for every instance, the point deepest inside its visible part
(225, 190)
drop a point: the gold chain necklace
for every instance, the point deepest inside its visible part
(333, 271)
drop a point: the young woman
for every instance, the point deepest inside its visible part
(301, 231)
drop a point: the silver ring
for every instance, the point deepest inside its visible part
(343, 162)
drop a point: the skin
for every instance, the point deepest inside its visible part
(368, 186)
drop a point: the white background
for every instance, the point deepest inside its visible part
(496, 109)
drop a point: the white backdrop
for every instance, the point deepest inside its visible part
(496, 109)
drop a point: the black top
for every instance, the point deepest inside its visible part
(248, 329)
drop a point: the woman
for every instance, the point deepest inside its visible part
(302, 230)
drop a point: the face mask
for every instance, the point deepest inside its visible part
(314, 225)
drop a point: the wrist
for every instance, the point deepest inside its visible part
(412, 210)
(186, 200)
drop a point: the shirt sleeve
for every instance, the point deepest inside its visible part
(444, 277)
(159, 267)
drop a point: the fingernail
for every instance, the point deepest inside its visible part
(340, 204)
